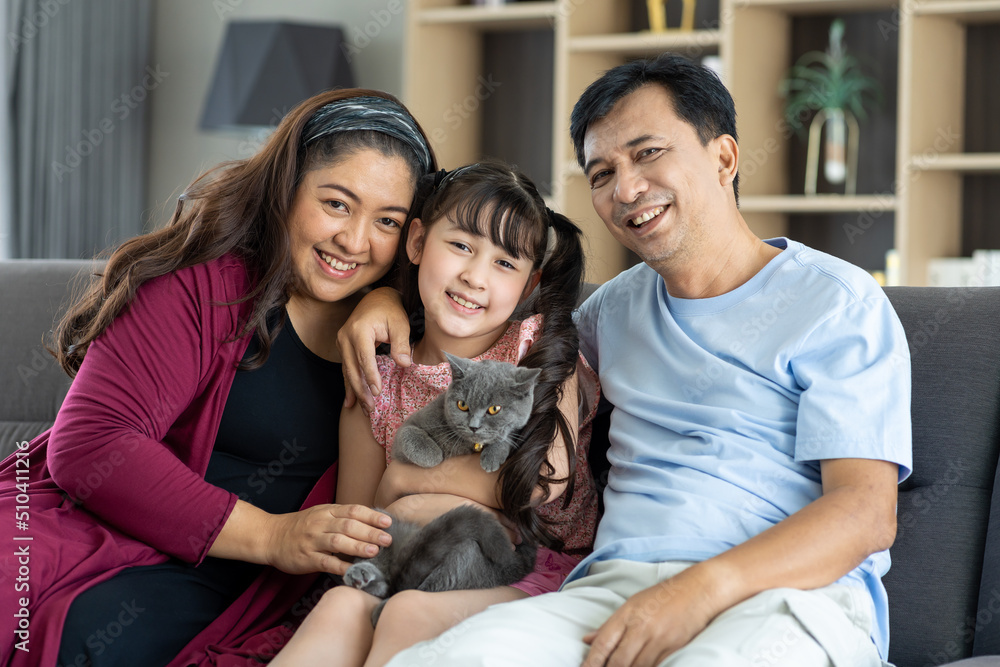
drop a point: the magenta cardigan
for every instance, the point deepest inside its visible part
(118, 481)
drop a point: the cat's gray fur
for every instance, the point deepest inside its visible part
(464, 548)
(441, 430)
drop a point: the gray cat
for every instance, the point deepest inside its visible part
(464, 548)
(482, 410)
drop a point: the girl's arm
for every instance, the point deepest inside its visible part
(459, 476)
(361, 461)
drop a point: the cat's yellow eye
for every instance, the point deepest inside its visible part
(463, 406)
(493, 409)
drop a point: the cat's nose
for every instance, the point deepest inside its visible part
(473, 428)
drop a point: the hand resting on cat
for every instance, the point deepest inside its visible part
(464, 548)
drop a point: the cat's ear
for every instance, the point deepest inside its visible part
(459, 365)
(526, 377)
(415, 240)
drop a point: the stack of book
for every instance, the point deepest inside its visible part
(982, 269)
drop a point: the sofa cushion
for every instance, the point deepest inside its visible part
(33, 293)
(943, 509)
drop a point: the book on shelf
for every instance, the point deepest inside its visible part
(980, 270)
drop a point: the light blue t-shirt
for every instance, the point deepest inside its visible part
(723, 407)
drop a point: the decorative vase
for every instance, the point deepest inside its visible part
(840, 132)
(657, 10)
(835, 147)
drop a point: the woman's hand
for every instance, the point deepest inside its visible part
(378, 318)
(316, 539)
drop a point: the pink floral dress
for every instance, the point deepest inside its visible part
(406, 390)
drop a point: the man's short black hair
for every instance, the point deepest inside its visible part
(697, 93)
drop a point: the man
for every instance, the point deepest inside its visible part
(760, 424)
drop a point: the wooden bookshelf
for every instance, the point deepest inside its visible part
(923, 188)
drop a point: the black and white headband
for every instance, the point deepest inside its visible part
(368, 113)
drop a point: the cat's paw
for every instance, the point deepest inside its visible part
(368, 578)
(413, 445)
(493, 457)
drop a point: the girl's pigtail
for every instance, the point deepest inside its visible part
(555, 353)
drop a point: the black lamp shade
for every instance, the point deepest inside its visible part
(266, 68)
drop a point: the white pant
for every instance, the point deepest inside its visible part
(826, 627)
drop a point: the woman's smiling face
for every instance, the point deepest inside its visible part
(345, 223)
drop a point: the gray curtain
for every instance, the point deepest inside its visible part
(6, 149)
(81, 81)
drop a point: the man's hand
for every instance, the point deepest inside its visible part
(378, 318)
(812, 548)
(654, 622)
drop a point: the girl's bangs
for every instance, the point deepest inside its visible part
(502, 217)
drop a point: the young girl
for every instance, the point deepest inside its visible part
(477, 250)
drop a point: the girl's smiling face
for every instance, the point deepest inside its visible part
(345, 222)
(469, 286)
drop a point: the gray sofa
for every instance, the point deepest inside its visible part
(944, 585)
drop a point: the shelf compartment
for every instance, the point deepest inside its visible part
(821, 6)
(816, 203)
(515, 16)
(640, 43)
(966, 11)
(965, 163)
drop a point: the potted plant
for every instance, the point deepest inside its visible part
(834, 85)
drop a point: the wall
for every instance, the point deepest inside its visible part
(187, 37)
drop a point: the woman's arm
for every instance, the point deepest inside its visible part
(120, 418)
(378, 318)
(136, 381)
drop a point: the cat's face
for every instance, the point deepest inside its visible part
(487, 401)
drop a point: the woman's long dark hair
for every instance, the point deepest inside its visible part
(239, 207)
(492, 200)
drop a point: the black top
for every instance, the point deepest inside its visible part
(279, 429)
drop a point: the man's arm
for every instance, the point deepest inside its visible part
(816, 546)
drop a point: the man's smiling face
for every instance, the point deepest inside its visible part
(652, 180)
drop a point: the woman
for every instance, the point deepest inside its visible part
(202, 416)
